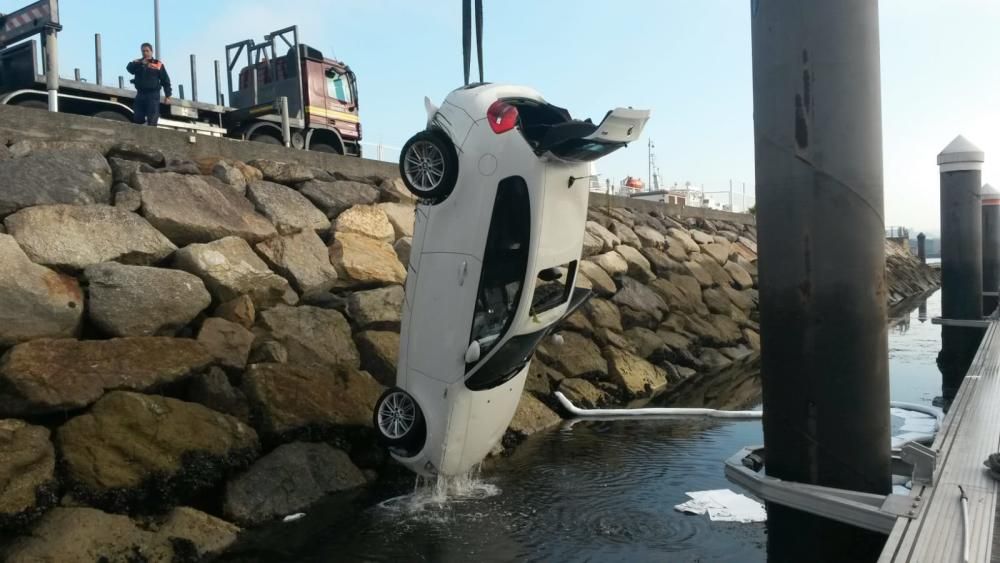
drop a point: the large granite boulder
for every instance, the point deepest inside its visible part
(333, 198)
(379, 354)
(578, 356)
(719, 275)
(650, 237)
(583, 393)
(230, 268)
(625, 233)
(86, 535)
(289, 401)
(635, 375)
(131, 151)
(638, 266)
(287, 209)
(230, 175)
(312, 336)
(682, 236)
(35, 302)
(71, 176)
(601, 282)
(718, 251)
(301, 258)
(603, 314)
(740, 276)
(76, 236)
(282, 172)
(141, 300)
(289, 480)
(239, 310)
(124, 171)
(640, 297)
(187, 209)
(608, 239)
(135, 450)
(228, 342)
(45, 376)
(612, 263)
(376, 308)
(361, 261)
(27, 472)
(532, 416)
(402, 217)
(366, 220)
(214, 390)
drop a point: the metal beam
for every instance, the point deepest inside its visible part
(818, 149)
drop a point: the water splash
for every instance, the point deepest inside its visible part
(434, 498)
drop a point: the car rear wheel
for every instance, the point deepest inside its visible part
(429, 166)
(399, 422)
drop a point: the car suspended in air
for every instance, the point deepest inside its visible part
(497, 240)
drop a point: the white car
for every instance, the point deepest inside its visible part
(502, 178)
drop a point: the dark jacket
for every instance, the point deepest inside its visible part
(150, 76)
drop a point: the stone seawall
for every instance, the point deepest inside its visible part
(194, 346)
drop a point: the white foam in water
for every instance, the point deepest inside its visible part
(433, 497)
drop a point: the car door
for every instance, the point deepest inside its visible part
(441, 314)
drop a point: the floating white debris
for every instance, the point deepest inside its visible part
(723, 505)
(293, 517)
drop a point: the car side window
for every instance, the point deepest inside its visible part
(337, 86)
(505, 263)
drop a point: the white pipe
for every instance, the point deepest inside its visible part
(711, 413)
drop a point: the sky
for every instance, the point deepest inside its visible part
(687, 61)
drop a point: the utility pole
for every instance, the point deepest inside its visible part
(818, 150)
(156, 28)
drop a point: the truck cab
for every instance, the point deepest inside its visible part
(323, 106)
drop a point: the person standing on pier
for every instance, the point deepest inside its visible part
(150, 76)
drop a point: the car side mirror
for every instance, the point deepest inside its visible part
(472, 352)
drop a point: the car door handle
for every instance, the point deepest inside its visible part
(463, 270)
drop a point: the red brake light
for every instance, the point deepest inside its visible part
(502, 116)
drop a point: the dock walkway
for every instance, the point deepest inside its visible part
(970, 433)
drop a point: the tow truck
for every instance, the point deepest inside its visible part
(321, 93)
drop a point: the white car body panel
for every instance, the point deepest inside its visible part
(447, 262)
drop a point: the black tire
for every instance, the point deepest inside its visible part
(112, 116)
(32, 103)
(324, 147)
(411, 440)
(428, 165)
(267, 139)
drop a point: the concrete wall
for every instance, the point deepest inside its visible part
(682, 211)
(19, 124)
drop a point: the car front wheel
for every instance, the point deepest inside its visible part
(399, 422)
(428, 165)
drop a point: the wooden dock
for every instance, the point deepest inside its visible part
(970, 433)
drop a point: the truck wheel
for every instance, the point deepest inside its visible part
(112, 116)
(266, 139)
(428, 165)
(323, 147)
(399, 423)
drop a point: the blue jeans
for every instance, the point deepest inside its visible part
(147, 108)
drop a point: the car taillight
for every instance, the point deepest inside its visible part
(502, 116)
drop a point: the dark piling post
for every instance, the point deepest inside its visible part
(991, 247)
(194, 79)
(99, 70)
(818, 149)
(961, 165)
(922, 248)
